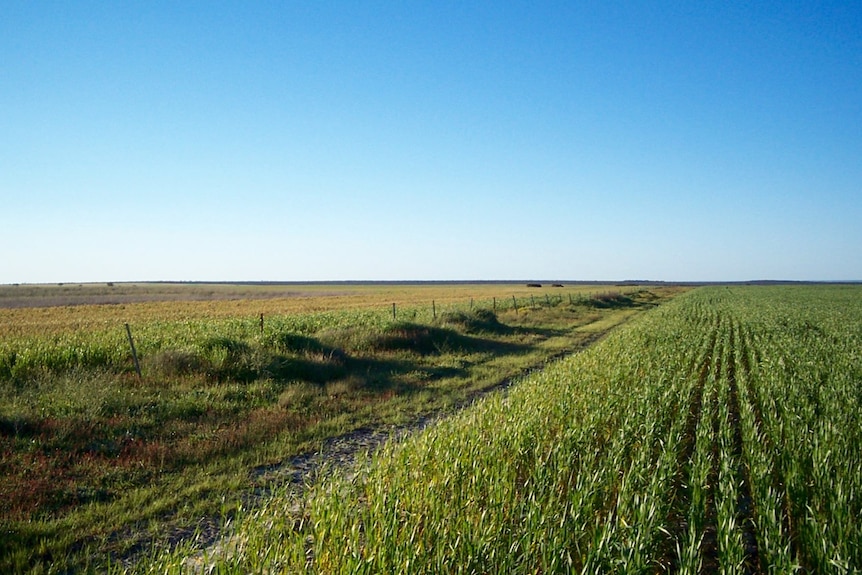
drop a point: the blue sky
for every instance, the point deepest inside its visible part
(440, 140)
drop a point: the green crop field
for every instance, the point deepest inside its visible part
(100, 464)
(717, 433)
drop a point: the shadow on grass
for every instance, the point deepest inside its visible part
(381, 360)
(426, 340)
(389, 375)
(480, 321)
(616, 300)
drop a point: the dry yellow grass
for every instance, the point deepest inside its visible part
(220, 301)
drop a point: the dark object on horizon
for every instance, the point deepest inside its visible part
(534, 285)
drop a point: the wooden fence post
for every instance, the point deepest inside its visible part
(261, 324)
(134, 352)
(393, 310)
(515, 303)
(434, 309)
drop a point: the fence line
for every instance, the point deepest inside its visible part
(515, 303)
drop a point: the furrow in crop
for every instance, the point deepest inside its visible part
(709, 536)
(694, 545)
(745, 503)
(769, 515)
(677, 521)
(745, 352)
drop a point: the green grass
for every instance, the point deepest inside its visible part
(98, 463)
(718, 433)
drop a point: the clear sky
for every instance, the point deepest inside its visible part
(430, 141)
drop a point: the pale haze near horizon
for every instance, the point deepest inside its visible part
(223, 141)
